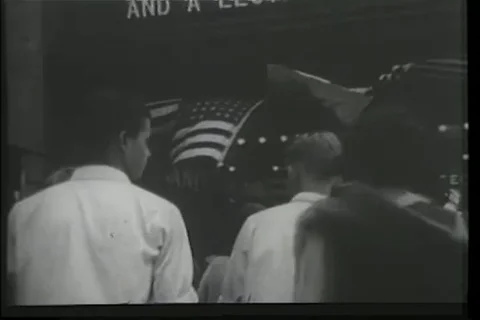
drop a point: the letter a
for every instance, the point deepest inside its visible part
(132, 9)
(193, 4)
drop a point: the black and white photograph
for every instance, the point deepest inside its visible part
(235, 153)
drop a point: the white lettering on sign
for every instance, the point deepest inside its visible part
(224, 4)
(193, 4)
(148, 8)
(228, 4)
(132, 9)
(138, 9)
(240, 3)
(163, 7)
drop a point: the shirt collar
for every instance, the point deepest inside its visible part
(99, 172)
(308, 197)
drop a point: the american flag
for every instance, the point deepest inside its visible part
(207, 128)
(163, 113)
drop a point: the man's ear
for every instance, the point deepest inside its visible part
(290, 171)
(295, 171)
(122, 139)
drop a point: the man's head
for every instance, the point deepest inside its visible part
(314, 161)
(114, 130)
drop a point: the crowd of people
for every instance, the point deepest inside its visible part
(365, 223)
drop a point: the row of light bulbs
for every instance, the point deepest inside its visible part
(444, 127)
(233, 168)
(277, 168)
(284, 138)
(261, 140)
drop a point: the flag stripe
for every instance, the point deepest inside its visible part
(197, 145)
(448, 62)
(202, 126)
(207, 128)
(311, 76)
(199, 152)
(439, 69)
(164, 114)
(213, 138)
(164, 110)
(221, 132)
(169, 101)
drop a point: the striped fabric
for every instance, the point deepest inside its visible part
(207, 128)
(163, 114)
(346, 103)
(435, 68)
(442, 68)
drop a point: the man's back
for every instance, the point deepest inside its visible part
(98, 239)
(261, 268)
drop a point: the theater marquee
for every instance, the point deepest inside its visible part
(138, 9)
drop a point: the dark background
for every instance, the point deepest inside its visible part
(349, 42)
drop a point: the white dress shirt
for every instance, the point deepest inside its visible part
(98, 239)
(262, 264)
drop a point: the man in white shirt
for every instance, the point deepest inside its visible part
(261, 266)
(97, 238)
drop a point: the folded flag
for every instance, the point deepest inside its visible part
(346, 103)
(435, 89)
(163, 114)
(433, 68)
(207, 128)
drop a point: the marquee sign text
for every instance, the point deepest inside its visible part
(139, 9)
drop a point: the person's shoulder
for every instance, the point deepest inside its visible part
(313, 216)
(355, 190)
(270, 212)
(155, 203)
(154, 199)
(56, 194)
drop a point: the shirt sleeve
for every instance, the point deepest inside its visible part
(233, 288)
(173, 274)
(11, 256)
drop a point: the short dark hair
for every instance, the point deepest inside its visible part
(319, 153)
(383, 252)
(103, 115)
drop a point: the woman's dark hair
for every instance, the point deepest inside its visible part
(102, 116)
(381, 252)
(397, 143)
(390, 148)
